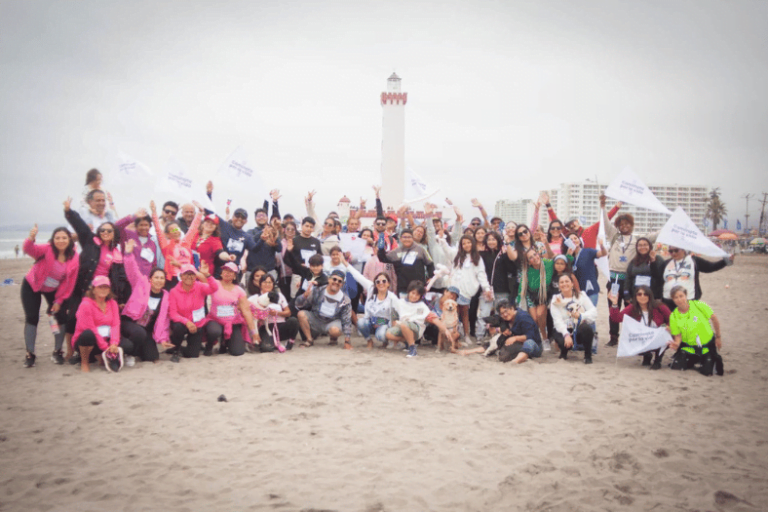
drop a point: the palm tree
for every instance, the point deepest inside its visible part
(716, 209)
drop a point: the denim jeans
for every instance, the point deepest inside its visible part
(532, 348)
(368, 329)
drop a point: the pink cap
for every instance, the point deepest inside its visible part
(187, 268)
(100, 281)
(230, 266)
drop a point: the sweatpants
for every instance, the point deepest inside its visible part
(214, 332)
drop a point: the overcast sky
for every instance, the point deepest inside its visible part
(504, 98)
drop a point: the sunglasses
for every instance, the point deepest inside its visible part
(475, 224)
(169, 212)
(381, 223)
(381, 281)
(174, 230)
(335, 280)
(556, 227)
(523, 232)
(106, 230)
(330, 224)
(672, 251)
(641, 294)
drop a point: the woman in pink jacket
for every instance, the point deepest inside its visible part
(229, 321)
(53, 276)
(98, 327)
(145, 318)
(187, 309)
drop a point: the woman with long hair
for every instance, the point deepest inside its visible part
(207, 243)
(378, 306)
(555, 236)
(647, 268)
(644, 308)
(53, 276)
(468, 275)
(502, 276)
(287, 325)
(573, 316)
(535, 278)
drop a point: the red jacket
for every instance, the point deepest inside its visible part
(660, 314)
(45, 259)
(91, 317)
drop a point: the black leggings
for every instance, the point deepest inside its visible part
(474, 304)
(144, 344)
(287, 330)
(584, 336)
(88, 339)
(214, 332)
(31, 300)
(72, 305)
(194, 341)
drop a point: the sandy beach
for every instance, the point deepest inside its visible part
(325, 429)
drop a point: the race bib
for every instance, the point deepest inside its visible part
(227, 311)
(409, 258)
(643, 281)
(306, 254)
(105, 331)
(153, 303)
(327, 309)
(51, 282)
(235, 245)
(198, 315)
(148, 254)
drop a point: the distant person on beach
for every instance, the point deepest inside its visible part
(53, 276)
(16, 250)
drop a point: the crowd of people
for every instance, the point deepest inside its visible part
(185, 281)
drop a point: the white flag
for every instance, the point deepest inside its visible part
(352, 243)
(637, 338)
(627, 187)
(130, 170)
(178, 181)
(680, 231)
(241, 173)
(416, 189)
(602, 263)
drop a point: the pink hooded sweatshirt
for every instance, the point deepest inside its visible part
(139, 301)
(184, 303)
(45, 259)
(91, 317)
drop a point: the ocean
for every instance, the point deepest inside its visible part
(10, 239)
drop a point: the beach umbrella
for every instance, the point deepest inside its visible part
(728, 236)
(758, 241)
(719, 232)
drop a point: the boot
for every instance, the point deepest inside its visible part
(563, 353)
(647, 359)
(614, 341)
(85, 355)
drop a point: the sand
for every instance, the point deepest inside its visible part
(328, 429)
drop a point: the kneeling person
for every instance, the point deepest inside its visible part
(412, 312)
(517, 326)
(325, 310)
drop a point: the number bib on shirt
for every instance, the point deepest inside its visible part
(327, 309)
(148, 254)
(198, 315)
(409, 258)
(105, 331)
(643, 281)
(51, 282)
(153, 303)
(225, 311)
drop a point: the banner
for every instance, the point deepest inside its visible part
(680, 231)
(637, 338)
(627, 187)
(178, 181)
(416, 189)
(241, 173)
(130, 170)
(602, 263)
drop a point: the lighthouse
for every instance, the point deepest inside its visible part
(393, 143)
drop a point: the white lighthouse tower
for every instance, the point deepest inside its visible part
(393, 143)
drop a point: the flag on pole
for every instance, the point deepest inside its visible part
(680, 231)
(629, 188)
(416, 189)
(602, 263)
(738, 225)
(130, 170)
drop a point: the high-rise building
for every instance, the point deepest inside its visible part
(519, 212)
(582, 200)
(393, 143)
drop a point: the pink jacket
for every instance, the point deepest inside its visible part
(183, 303)
(90, 317)
(138, 302)
(46, 257)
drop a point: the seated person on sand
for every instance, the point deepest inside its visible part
(379, 305)
(412, 313)
(573, 316)
(325, 310)
(694, 339)
(516, 327)
(187, 309)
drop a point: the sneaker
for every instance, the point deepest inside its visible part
(29, 361)
(547, 346)
(289, 344)
(614, 341)
(130, 361)
(75, 359)
(411, 351)
(208, 350)
(175, 358)
(57, 357)
(588, 358)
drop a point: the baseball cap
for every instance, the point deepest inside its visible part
(100, 281)
(187, 268)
